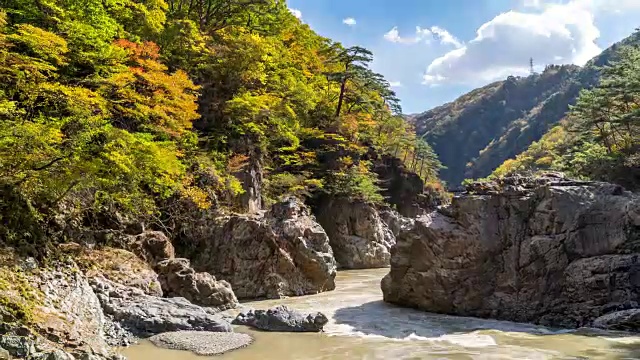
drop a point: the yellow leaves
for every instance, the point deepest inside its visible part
(191, 192)
(72, 100)
(42, 44)
(363, 167)
(198, 196)
(145, 98)
(544, 162)
(3, 20)
(345, 162)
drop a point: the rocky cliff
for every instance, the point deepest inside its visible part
(283, 252)
(546, 250)
(404, 189)
(360, 239)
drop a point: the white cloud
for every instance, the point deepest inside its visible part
(614, 6)
(395, 84)
(445, 37)
(432, 80)
(349, 21)
(297, 13)
(533, 3)
(421, 34)
(556, 33)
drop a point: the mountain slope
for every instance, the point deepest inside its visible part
(476, 133)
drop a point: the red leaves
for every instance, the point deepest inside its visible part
(146, 51)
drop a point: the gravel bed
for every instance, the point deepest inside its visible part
(202, 342)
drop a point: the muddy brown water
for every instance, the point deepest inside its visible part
(363, 327)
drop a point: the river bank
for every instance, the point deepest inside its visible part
(361, 326)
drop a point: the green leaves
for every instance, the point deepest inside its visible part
(601, 136)
(40, 44)
(90, 105)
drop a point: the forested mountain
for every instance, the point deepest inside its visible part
(153, 108)
(480, 130)
(599, 139)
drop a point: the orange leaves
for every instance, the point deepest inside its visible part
(147, 50)
(146, 98)
(237, 162)
(353, 124)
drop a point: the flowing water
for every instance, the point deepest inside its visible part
(363, 327)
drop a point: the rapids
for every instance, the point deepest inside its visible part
(363, 327)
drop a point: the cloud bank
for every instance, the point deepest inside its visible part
(555, 33)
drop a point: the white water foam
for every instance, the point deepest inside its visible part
(470, 340)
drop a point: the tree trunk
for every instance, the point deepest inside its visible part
(343, 87)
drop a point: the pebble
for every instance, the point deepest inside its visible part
(202, 342)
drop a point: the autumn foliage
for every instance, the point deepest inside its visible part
(132, 104)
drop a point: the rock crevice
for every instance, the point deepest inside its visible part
(360, 239)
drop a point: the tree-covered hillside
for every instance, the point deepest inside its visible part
(475, 133)
(148, 108)
(600, 137)
(479, 131)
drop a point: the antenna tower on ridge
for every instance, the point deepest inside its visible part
(531, 66)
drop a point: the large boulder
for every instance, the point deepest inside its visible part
(284, 252)
(70, 312)
(178, 279)
(546, 250)
(624, 320)
(18, 346)
(358, 236)
(117, 265)
(151, 246)
(145, 315)
(283, 319)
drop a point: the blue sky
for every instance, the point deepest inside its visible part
(435, 50)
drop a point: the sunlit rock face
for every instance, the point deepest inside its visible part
(547, 250)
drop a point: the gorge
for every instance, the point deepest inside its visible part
(209, 177)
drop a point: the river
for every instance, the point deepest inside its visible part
(363, 327)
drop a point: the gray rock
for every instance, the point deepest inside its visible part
(283, 319)
(202, 342)
(284, 252)
(17, 346)
(545, 250)
(146, 315)
(89, 356)
(626, 320)
(396, 222)
(53, 355)
(69, 296)
(178, 279)
(251, 177)
(358, 236)
(29, 264)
